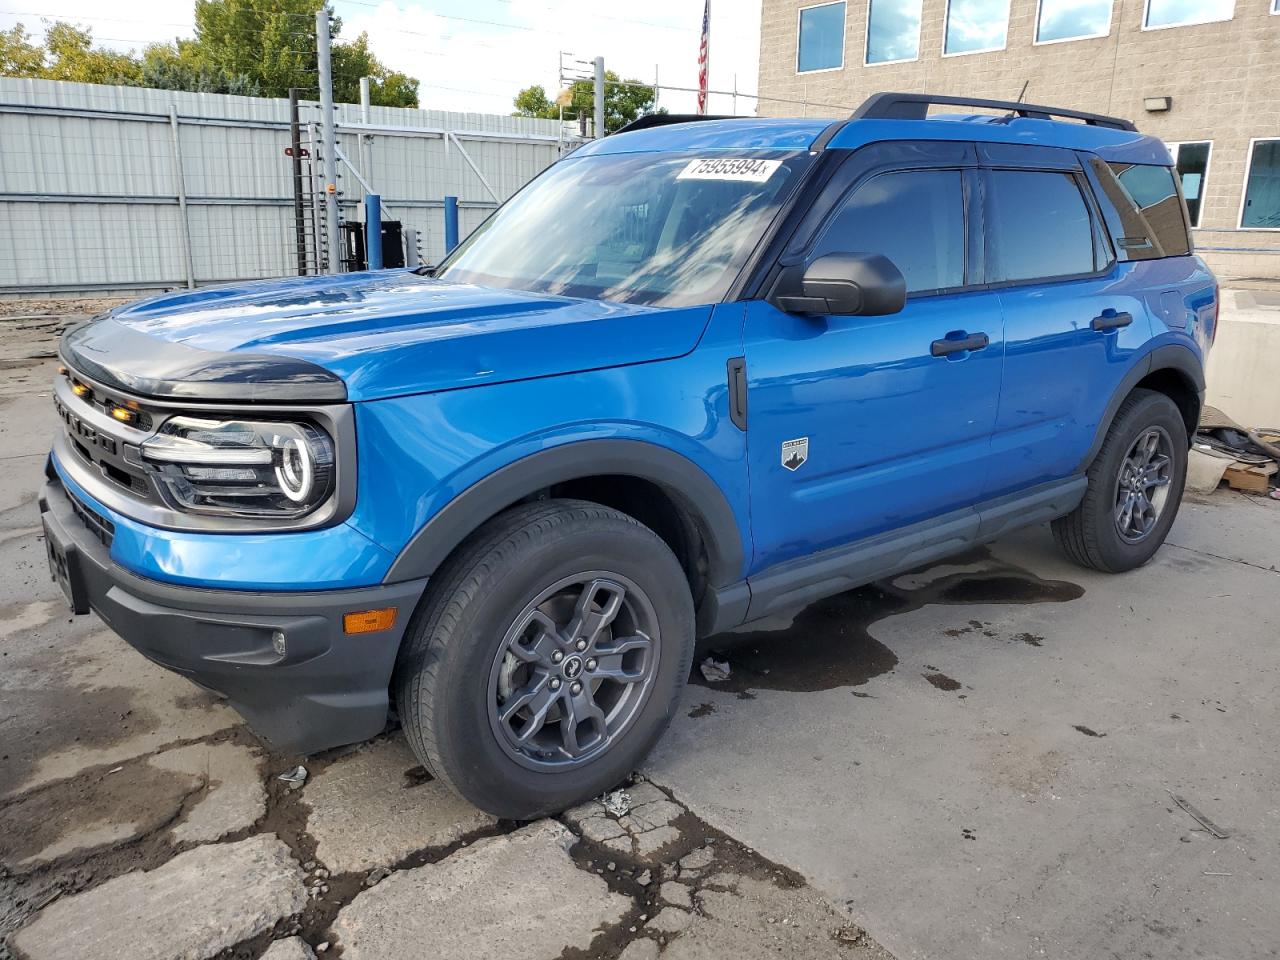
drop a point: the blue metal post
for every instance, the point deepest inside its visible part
(450, 223)
(373, 230)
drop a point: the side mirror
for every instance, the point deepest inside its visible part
(845, 284)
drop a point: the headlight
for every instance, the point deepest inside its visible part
(246, 468)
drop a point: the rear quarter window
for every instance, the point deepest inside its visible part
(1146, 207)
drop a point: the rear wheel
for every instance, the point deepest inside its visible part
(547, 658)
(1135, 486)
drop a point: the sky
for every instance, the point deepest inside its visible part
(473, 55)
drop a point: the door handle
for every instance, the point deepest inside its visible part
(1111, 320)
(972, 341)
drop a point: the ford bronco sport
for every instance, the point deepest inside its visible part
(694, 374)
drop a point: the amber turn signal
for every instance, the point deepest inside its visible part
(369, 621)
(123, 414)
(79, 389)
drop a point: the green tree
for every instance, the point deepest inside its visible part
(240, 46)
(19, 57)
(624, 101)
(387, 88)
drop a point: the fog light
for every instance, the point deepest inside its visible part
(278, 641)
(369, 621)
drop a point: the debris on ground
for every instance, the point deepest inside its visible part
(1199, 817)
(295, 777)
(714, 671)
(617, 804)
(1249, 459)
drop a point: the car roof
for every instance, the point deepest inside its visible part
(796, 134)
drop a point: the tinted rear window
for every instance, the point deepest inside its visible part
(1148, 208)
(1039, 227)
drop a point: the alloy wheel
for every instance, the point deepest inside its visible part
(573, 670)
(1142, 485)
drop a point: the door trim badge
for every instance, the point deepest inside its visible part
(795, 453)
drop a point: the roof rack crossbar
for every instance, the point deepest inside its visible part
(915, 106)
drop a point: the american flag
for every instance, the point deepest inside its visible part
(704, 55)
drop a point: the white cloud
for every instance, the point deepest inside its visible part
(473, 55)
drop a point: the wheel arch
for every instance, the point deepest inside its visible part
(672, 493)
(1172, 369)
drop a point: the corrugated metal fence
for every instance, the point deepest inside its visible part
(106, 188)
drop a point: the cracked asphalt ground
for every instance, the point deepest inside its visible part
(978, 759)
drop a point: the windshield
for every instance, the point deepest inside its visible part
(660, 229)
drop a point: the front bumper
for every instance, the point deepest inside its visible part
(328, 688)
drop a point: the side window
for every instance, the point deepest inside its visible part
(1149, 209)
(913, 217)
(1038, 226)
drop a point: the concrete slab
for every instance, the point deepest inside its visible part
(293, 948)
(759, 920)
(995, 780)
(231, 796)
(366, 813)
(515, 895)
(197, 904)
(643, 832)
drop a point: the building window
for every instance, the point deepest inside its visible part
(893, 30)
(1192, 161)
(1181, 13)
(1260, 209)
(1073, 20)
(820, 45)
(975, 26)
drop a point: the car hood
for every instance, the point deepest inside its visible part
(365, 336)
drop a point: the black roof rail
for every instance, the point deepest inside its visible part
(915, 106)
(663, 119)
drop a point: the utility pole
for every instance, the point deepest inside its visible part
(366, 140)
(295, 151)
(599, 97)
(329, 136)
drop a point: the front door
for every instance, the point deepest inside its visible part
(859, 425)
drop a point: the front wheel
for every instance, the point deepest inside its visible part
(1135, 486)
(547, 658)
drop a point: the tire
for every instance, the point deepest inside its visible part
(465, 660)
(1097, 534)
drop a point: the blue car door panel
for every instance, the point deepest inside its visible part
(859, 425)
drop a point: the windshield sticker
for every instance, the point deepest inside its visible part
(730, 168)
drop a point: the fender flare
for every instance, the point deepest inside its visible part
(1171, 356)
(686, 482)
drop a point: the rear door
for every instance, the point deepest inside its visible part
(1073, 317)
(859, 425)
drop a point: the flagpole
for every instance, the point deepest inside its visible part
(706, 101)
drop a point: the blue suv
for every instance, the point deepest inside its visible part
(694, 374)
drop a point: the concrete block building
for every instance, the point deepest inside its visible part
(1204, 75)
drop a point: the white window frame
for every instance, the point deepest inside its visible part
(1036, 42)
(1244, 187)
(844, 29)
(1275, 7)
(1174, 146)
(866, 40)
(946, 21)
(1146, 14)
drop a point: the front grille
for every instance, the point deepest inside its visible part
(107, 447)
(98, 525)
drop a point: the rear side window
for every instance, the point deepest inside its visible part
(913, 217)
(1038, 227)
(1148, 206)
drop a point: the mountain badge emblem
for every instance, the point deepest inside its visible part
(795, 453)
